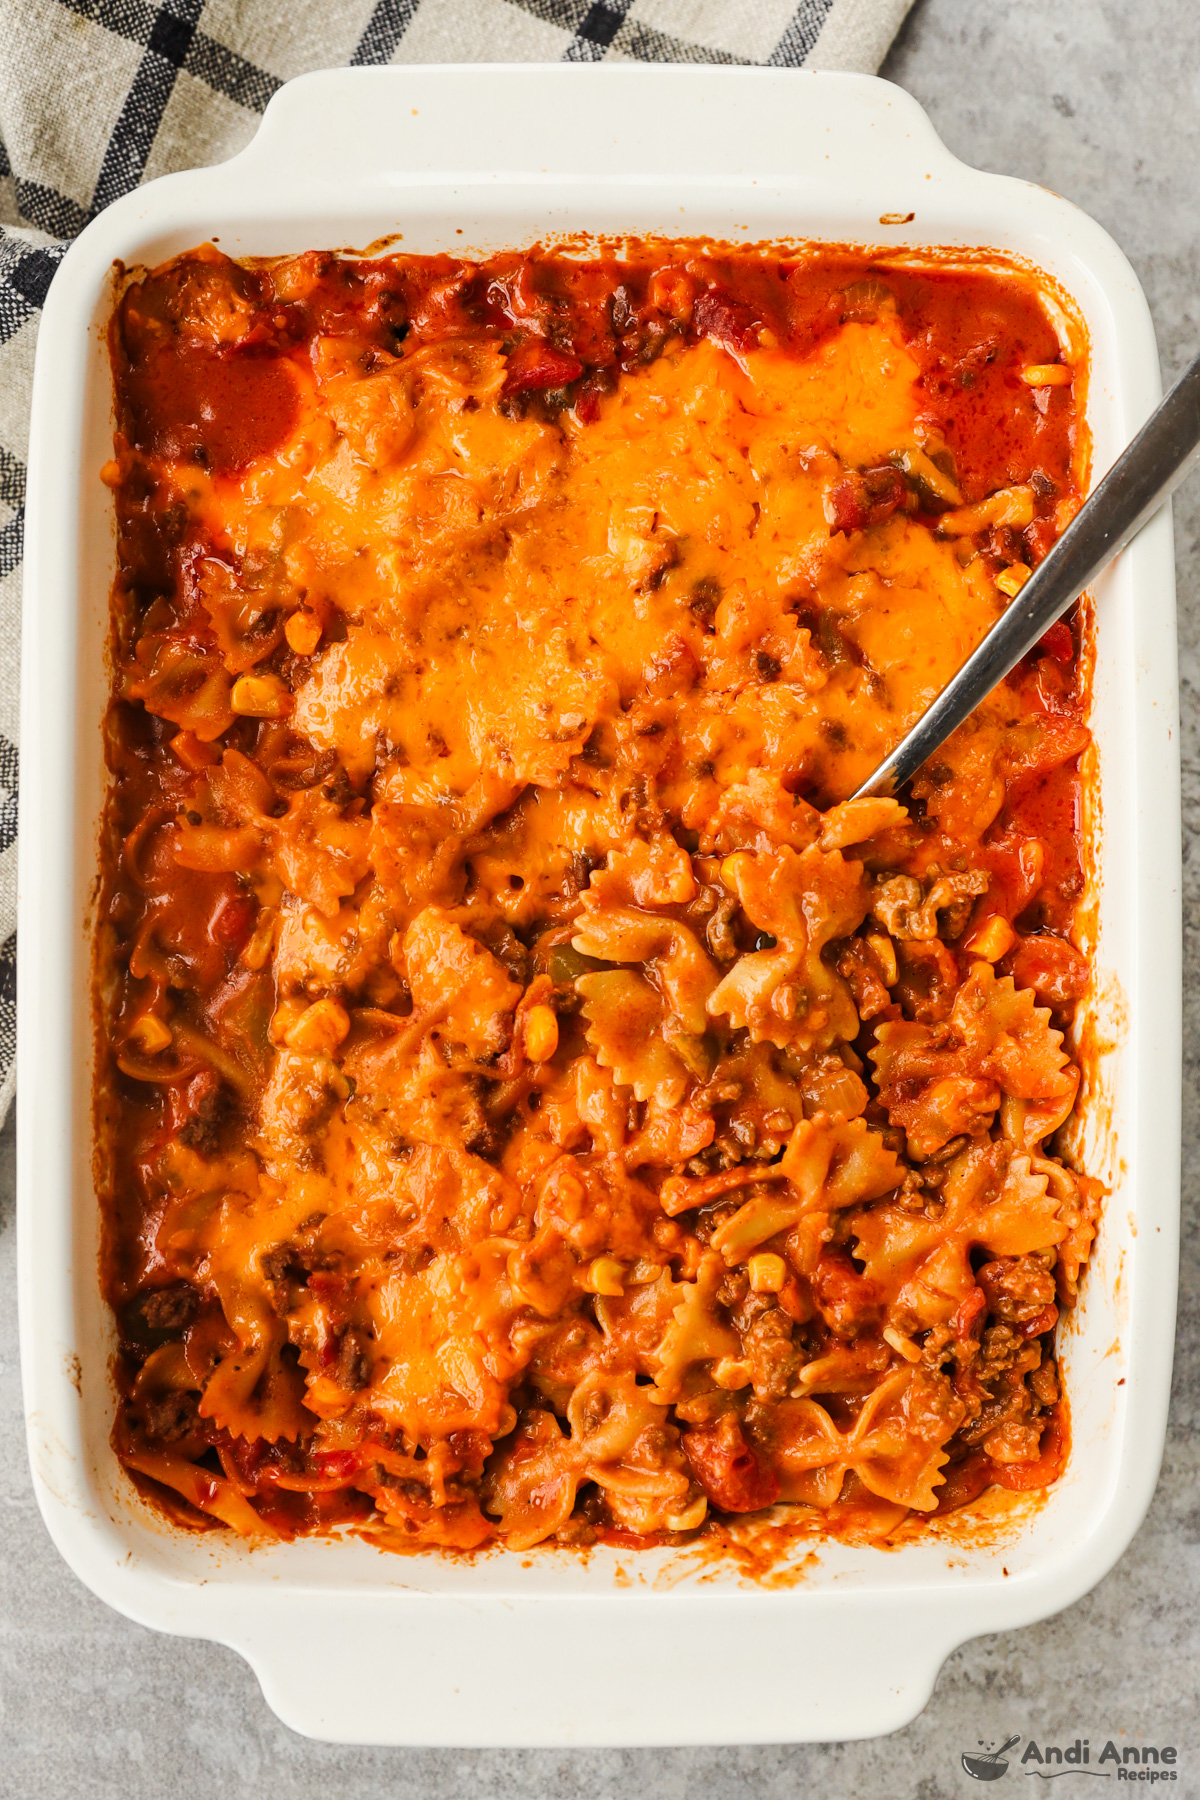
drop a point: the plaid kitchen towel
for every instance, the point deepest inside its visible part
(99, 95)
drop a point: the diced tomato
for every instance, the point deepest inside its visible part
(969, 1313)
(337, 1465)
(587, 405)
(719, 316)
(1046, 1467)
(965, 1481)
(535, 364)
(1051, 966)
(1044, 1321)
(233, 922)
(1058, 642)
(859, 500)
(1040, 538)
(848, 1301)
(472, 1448)
(727, 1468)
(247, 1456)
(796, 1301)
(329, 1286)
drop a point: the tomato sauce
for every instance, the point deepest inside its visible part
(532, 1104)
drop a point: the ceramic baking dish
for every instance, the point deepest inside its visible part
(624, 1648)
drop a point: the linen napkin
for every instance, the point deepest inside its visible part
(99, 95)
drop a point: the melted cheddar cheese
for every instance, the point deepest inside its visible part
(535, 1103)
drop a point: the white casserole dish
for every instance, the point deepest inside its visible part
(354, 1645)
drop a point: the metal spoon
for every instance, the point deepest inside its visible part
(1133, 490)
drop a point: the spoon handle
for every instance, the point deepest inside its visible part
(1132, 491)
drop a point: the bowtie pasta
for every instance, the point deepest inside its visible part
(535, 1105)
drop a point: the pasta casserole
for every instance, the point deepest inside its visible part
(534, 1104)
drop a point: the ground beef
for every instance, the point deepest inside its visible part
(719, 933)
(338, 789)
(1013, 1443)
(502, 941)
(286, 1270)
(847, 1301)
(352, 1369)
(998, 1350)
(488, 1142)
(209, 1105)
(1043, 1384)
(172, 1417)
(302, 767)
(576, 1533)
(727, 1467)
(1009, 1401)
(169, 1309)
(773, 1358)
(285, 1262)
(1018, 1288)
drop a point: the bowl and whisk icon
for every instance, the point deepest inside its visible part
(988, 1766)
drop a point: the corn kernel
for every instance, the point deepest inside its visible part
(673, 291)
(1037, 375)
(110, 474)
(690, 1516)
(150, 1034)
(731, 1373)
(284, 1017)
(303, 632)
(541, 1033)
(884, 951)
(731, 867)
(991, 940)
(605, 1275)
(1010, 581)
(767, 1272)
(261, 697)
(320, 1028)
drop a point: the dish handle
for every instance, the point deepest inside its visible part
(531, 122)
(618, 1669)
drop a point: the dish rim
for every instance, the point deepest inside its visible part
(354, 150)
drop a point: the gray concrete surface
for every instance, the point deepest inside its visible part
(1100, 100)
